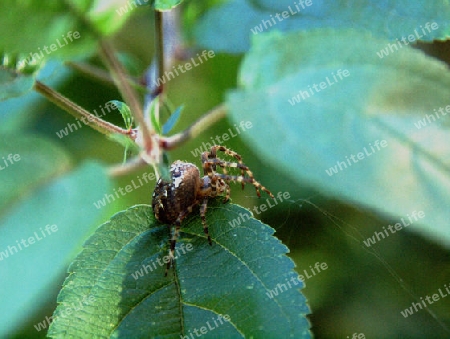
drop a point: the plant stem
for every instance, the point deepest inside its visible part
(159, 47)
(120, 78)
(195, 129)
(99, 74)
(78, 112)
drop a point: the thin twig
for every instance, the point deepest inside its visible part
(195, 129)
(103, 75)
(77, 111)
(91, 71)
(159, 45)
(130, 166)
(120, 77)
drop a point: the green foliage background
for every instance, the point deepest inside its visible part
(356, 293)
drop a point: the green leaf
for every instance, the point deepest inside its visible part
(125, 141)
(383, 98)
(16, 76)
(42, 30)
(125, 111)
(230, 278)
(154, 117)
(26, 163)
(19, 64)
(159, 5)
(221, 29)
(38, 235)
(13, 84)
(171, 122)
(19, 113)
(165, 5)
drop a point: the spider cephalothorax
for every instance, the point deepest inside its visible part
(173, 200)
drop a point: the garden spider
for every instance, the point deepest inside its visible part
(173, 200)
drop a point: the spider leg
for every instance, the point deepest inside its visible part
(176, 234)
(250, 180)
(213, 154)
(173, 242)
(227, 191)
(203, 208)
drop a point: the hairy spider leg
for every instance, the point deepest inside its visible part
(208, 168)
(227, 190)
(176, 234)
(242, 179)
(213, 155)
(203, 208)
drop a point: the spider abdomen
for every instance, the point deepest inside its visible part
(174, 197)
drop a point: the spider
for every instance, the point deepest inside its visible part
(173, 200)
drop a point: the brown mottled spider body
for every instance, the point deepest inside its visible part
(173, 200)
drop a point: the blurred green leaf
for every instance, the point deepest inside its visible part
(38, 161)
(383, 98)
(16, 76)
(171, 122)
(39, 235)
(159, 5)
(124, 300)
(125, 111)
(13, 84)
(125, 141)
(18, 63)
(222, 29)
(54, 29)
(154, 115)
(19, 113)
(164, 5)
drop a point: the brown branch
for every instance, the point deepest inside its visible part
(120, 77)
(77, 111)
(195, 129)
